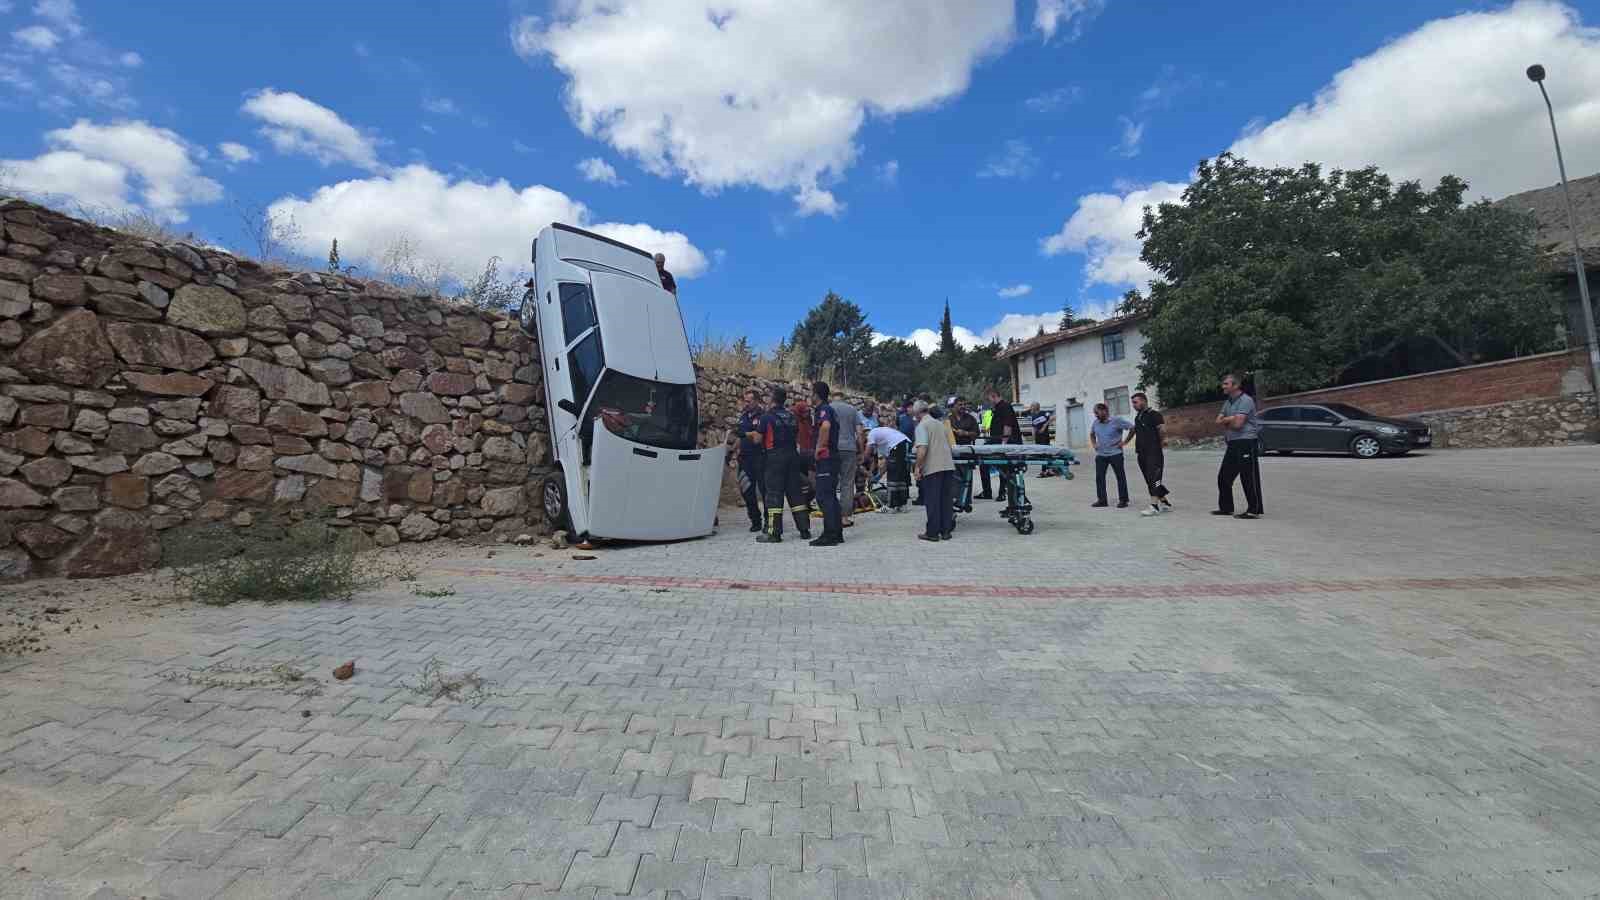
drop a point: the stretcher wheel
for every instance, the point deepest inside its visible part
(1025, 526)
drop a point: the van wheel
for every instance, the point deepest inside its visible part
(555, 503)
(525, 313)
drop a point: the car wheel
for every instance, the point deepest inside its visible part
(1366, 446)
(525, 313)
(555, 503)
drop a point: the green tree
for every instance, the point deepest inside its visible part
(333, 257)
(893, 369)
(1070, 318)
(834, 335)
(947, 334)
(1299, 276)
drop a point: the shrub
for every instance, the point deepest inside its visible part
(308, 561)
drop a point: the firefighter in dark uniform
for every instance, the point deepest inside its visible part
(752, 460)
(776, 432)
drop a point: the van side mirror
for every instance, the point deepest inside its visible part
(567, 406)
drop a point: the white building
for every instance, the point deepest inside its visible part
(1068, 372)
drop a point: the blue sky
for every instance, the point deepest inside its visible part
(994, 153)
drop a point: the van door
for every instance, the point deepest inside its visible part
(638, 492)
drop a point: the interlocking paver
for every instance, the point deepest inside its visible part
(1140, 707)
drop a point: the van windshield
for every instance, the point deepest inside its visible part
(648, 412)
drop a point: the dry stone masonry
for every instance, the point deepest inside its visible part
(145, 387)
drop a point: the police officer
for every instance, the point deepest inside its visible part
(985, 424)
(776, 432)
(827, 462)
(752, 459)
(1241, 425)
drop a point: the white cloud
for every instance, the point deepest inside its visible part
(236, 153)
(361, 49)
(1132, 136)
(756, 94)
(1017, 160)
(1470, 111)
(63, 13)
(297, 125)
(440, 106)
(1051, 16)
(596, 169)
(36, 37)
(461, 223)
(1105, 227)
(1015, 290)
(889, 172)
(131, 60)
(94, 165)
(520, 147)
(5, 6)
(811, 200)
(70, 175)
(1010, 325)
(1054, 99)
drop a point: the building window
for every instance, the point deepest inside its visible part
(1044, 364)
(1117, 399)
(1111, 346)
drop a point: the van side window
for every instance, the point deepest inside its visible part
(577, 310)
(584, 364)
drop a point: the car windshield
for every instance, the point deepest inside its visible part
(648, 412)
(1349, 412)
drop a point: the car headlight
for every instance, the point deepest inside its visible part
(1388, 429)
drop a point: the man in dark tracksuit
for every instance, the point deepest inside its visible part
(776, 432)
(1241, 425)
(752, 460)
(827, 461)
(1148, 449)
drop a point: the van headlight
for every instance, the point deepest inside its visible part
(1388, 429)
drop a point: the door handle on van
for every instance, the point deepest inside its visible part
(650, 453)
(688, 457)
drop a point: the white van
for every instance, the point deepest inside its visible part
(620, 394)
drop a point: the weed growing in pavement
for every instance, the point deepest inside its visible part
(418, 590)
(437, 684)
(283, 676)
(306, 561)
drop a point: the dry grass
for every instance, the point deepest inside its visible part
(735, 355)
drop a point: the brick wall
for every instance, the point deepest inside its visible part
(1544, 376)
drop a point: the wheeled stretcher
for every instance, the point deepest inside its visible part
(1010, 463)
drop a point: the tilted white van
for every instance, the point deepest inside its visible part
(620, 394)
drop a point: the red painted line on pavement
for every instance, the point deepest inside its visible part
(1157, 591)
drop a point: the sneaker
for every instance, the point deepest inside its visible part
(984, 497)
(1099, 504)
(1122, 504)
(769, 539)
(826, 542)
(947, 536)
(755, 527)
(1222, 512)
(1248, 515)
(1152, 511)
(928, 537)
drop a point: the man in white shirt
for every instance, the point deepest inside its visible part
(891, 445)
(935, 471)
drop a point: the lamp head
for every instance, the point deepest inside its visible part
(1536, 73)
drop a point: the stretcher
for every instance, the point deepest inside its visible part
(1010, 463)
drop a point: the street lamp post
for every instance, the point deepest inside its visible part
(1536, 75)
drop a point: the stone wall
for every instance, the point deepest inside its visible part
(1544, 387)
(146, 386)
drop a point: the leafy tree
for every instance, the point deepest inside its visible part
(893, 369)
(333, 257)
(834, 335)
(742, 352)
(1300, 276)
(489, 290)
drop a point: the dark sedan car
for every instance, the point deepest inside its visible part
(1337, 428)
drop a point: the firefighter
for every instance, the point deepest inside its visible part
(776, 431)
(752, 459)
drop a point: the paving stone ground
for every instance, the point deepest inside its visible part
(1387, 688)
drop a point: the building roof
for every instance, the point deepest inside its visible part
(1549, 208)
(1051, 338)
